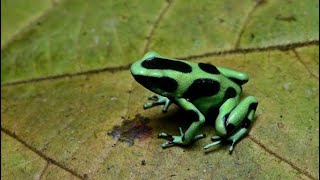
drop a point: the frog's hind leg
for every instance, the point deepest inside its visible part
(190, 135)
(232, 127)
(220, 127)
(238, 77)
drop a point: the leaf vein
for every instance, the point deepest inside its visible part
(300, 170)
(24, 31)
(285, 47)
(156, 24)
(298, 57)
(246, 22)
(41, 154)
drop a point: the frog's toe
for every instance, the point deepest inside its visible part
(211, 145)
(166, 136)
(166, 106)
(150, 104)
(215, 138)
(153, 97)
(231, 147)
(167, 144)
(147, 105)
(199, 136)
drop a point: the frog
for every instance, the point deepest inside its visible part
(206, 93)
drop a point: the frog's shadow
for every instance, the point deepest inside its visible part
(178, 118)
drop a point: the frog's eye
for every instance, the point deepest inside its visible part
(161, 63)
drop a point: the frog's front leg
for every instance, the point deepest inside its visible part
(232, 125)
(156, 101)
(190, 135)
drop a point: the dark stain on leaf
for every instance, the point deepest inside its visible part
(260, 2)
(290, 18)
(252, 36)
(132, 129)
(143, 162)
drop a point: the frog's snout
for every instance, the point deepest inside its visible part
(133, 68)
(136, 69)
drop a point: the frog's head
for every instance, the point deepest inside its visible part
(140, 68)
(150, 71)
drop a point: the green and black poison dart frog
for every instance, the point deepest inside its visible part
(204, 91)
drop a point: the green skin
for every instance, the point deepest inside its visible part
(233, 117)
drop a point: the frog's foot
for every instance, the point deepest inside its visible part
(178, 140)
(156, 101)
(218, 140)
(231, 147)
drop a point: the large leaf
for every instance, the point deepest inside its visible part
(70, 108)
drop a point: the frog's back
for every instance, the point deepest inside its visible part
(208, 88)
